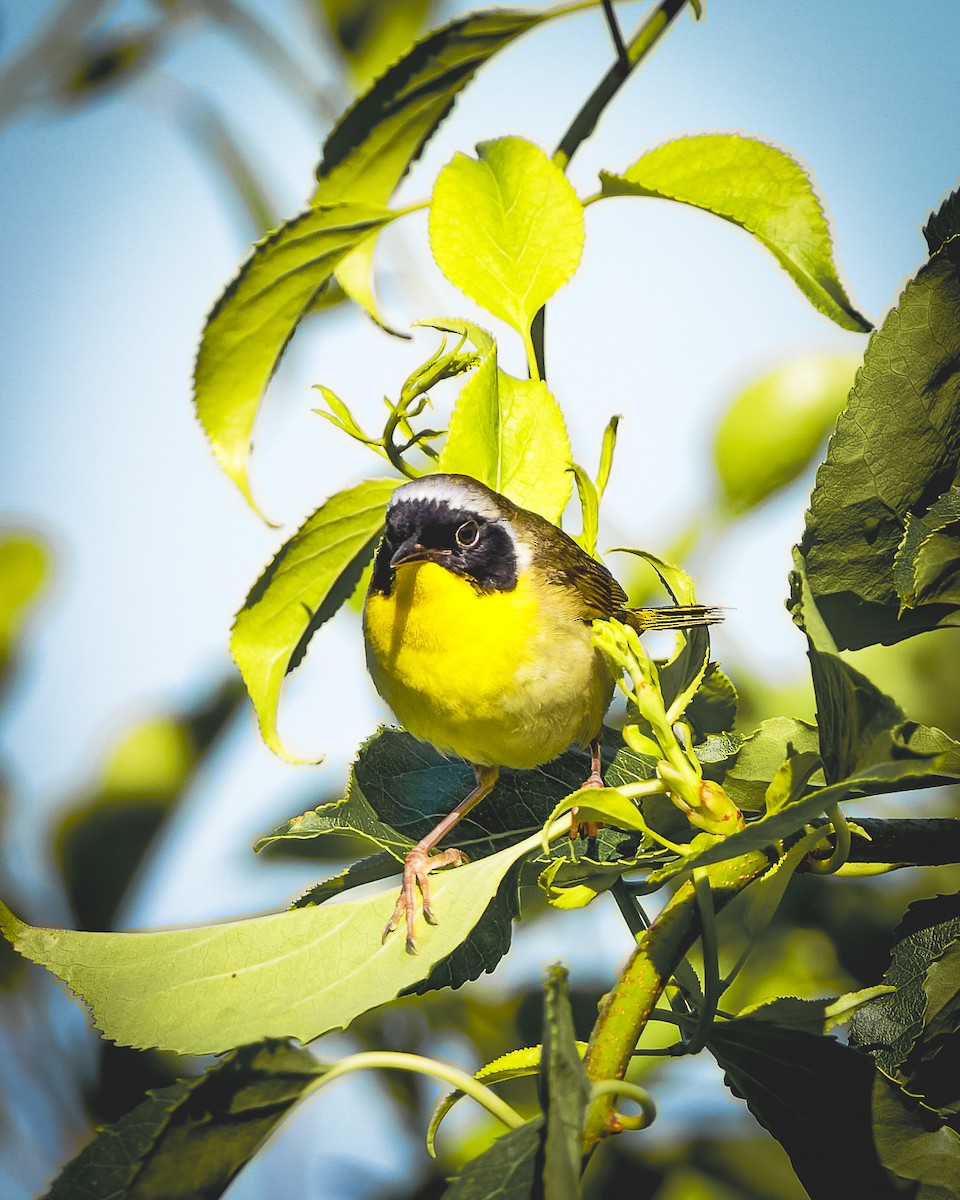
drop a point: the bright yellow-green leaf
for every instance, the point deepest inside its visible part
(774, 427)
(371, 34)
(759, 188)
(297, 974)
(311, 576)
(372, 146)
(506, 228)
(256, 316)
(508, 433)
(23, 572)
(355, 276)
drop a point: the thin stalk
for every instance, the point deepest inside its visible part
(639, 46)
(585, 122)
(428, 1066)
(630, 1003)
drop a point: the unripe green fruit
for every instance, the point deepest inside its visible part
(772, 430)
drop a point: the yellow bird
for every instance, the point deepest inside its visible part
(477, 632)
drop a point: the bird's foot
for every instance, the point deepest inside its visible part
(417, 867)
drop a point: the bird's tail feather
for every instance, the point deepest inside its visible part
(671, 616)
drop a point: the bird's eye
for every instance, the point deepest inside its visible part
(468, 534)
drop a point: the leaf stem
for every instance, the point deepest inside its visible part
(711, 962)
(642, 42)
(585, 122)
(397, 1061)
(628, 1005)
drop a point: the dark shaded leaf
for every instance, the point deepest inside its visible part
(714, 708)
(509, 1170)
(564, 1092)
(890, 1025)
(907, 393)
(854, 717)
(932, 1067)
(814, 1096)
(187, 1141)
(913, 1143)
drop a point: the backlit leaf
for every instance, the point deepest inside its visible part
(759, 188)
(312, 575)
(296, 974)
(248, 329)
(506, 228)
(508, 433)
(24, 566)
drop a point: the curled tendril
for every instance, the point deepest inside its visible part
(620, 1087)
(841, 846)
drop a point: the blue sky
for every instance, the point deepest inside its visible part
(118, 240)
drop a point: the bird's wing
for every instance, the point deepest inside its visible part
(600, 593)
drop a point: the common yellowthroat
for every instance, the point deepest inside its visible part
(477, 631)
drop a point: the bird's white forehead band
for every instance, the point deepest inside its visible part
(460, 495)
(455, 494)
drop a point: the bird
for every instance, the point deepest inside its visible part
(477, 633)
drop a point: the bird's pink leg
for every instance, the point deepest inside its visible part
(419, 862)
(593, 780)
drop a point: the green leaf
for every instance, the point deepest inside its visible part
(931, 1068)
(296, 974)
(311, 576)
(506, 228)
(890, 1025)
(713, 709)
(854, 718)
(564, 1092)
(367, 870)
(507, 1171)
(355, 276)
(914, 1144)
(925, 565)
(251, 323)
(869, 492)
(508, 433)
(813, 1016)
(759, 188)
(372, 35)
(761, 756)
(811, 1093)
(775, 426)
(24, 567)
(373, 145)
(943, 226)
(920, 757)
(187, 1141)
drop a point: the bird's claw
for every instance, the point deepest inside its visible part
(417, 867)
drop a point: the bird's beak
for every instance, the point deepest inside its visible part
(412, 552)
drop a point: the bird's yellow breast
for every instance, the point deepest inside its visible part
(500, 677)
